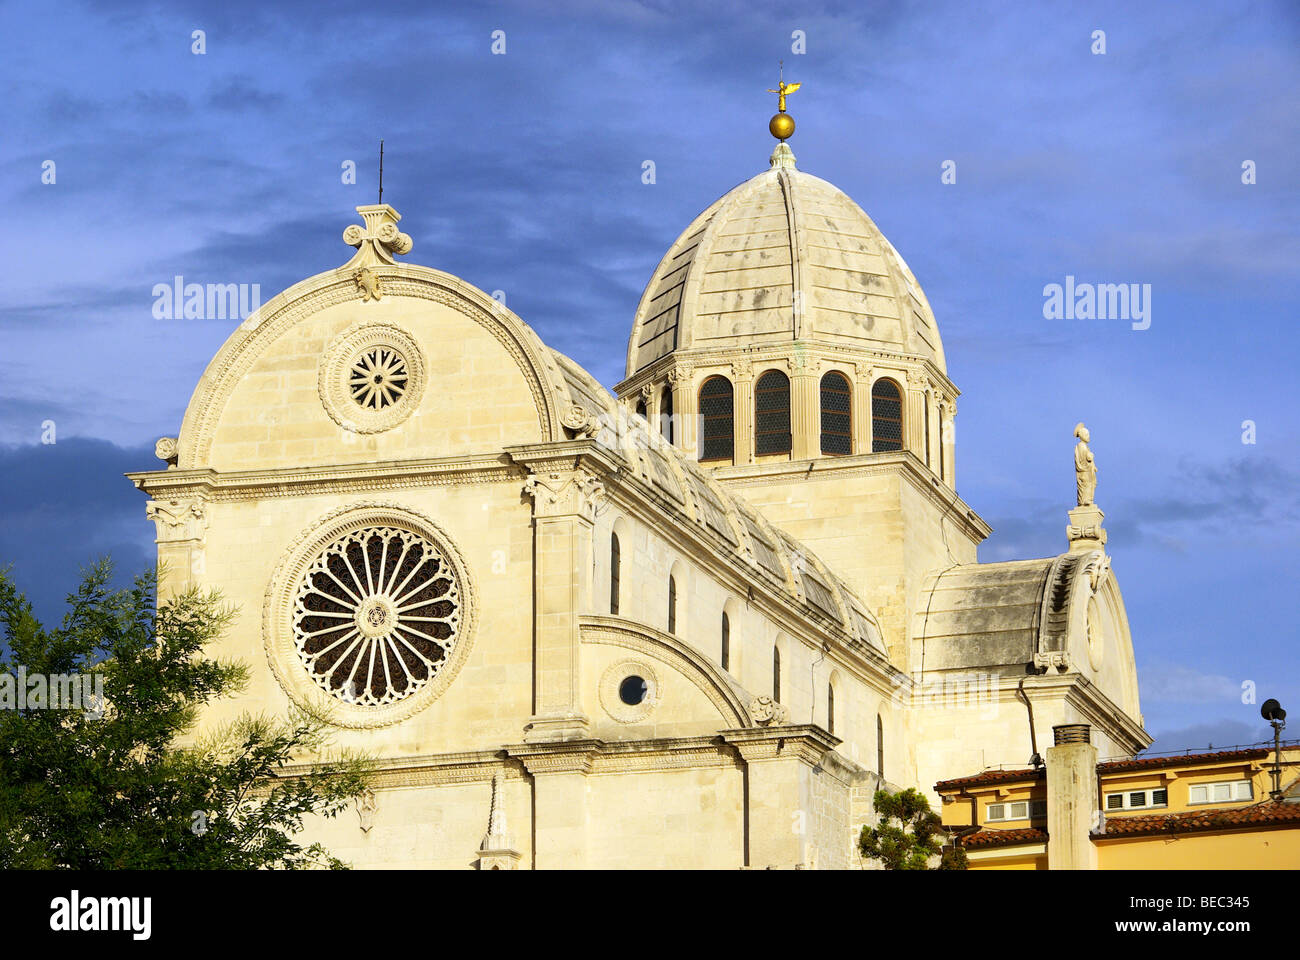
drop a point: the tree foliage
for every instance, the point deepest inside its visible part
(128, 784)
(909, 834)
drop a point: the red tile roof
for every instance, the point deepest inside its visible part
(986, 838)
(1178, 759)
(1110, 766)
(1216, 818)
(990, 776)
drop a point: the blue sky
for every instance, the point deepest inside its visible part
(522, 172)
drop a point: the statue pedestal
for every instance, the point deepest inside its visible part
(1085, 531)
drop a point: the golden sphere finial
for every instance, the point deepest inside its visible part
(781, 126)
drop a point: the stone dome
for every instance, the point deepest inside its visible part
(735, 275)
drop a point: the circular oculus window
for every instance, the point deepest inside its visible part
(371, 377)
(629, 690)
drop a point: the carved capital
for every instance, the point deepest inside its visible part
(742, 370)
(178, 520)
(680, 375)
(576, 493)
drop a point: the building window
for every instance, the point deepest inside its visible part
(1229, 791)
(717, 419)
(927, 431)
(880, 747)
(1019, 810)
(772, 413)
(615, 561)
(640, 409)
(672, 604)
(1137, 799)
(886, 416)
(830, 708)
(941, 456)
(776, 674)
(837, 416)
(726, 642)
(666, 415)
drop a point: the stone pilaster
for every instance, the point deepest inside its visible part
(181, 526)
(685, 408)
(564, 506)
(805, 412)
(560, 815)
(780, 764)
(743, 408)
(862, 410)
(914, 418)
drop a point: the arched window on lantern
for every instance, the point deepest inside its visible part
(615, 561)
(837, 415)
(886, 416)
(666, 415)
(717, 419)
(772, 413)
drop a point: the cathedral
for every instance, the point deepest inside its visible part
(694, 622)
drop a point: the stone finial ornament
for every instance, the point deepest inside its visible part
(1085, 468)
(379, 240)
(166, 449)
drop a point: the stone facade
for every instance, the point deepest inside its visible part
(569, 643)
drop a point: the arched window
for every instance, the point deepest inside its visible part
(672, 605)
(927, 431)
(837, 417)
(880, 747)
(717, 419)
(666, 415)
(941, 456)
(886, 416)
(726, 642)
(640, 409)
(830, 708)
(772, 413)
(615, 560)
(776, 674)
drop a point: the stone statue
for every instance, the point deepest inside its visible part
(1085, 468)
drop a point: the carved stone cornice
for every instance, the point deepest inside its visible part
(559, 756)
(214, 485)
(806, 743)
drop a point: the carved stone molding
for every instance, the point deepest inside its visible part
(806, 743)
(178, 520)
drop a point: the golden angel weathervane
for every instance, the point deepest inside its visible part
(782, 124)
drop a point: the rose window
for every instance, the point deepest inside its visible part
(377, 615)
(378, 378)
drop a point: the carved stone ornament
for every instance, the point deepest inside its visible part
(581, 421)
(368, 283)
(647, 392)
(177, 520)
(680, 374)
(1052, 662)
(1098, 569)
(166, 449)
(1085, 468)
(561, 494)
(366, 805)
(767, 712)
(741, 369)
(379, 239)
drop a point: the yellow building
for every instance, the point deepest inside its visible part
(693, 622)
(1184, 811)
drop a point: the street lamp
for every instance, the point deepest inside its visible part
(1272, 712)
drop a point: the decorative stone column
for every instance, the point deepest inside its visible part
(914, 421)
(781, 763)
(564, 508)
(742, 374)
(685, 408)
(805, 409)
(862, 409)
